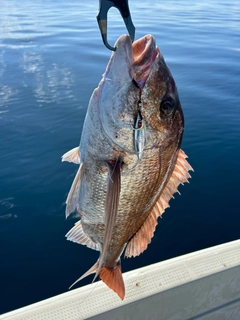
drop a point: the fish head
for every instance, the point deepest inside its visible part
(161, 108)
(137, 73)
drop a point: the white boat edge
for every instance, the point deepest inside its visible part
(204, 284)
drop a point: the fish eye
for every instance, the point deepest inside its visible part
(167, 106)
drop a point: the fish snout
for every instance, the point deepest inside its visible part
(145, 52)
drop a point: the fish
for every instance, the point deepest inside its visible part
(129, 157)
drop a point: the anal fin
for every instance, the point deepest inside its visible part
(72, 156)
(76, 234)
(143, 236)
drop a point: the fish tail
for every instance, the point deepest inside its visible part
(113, 279)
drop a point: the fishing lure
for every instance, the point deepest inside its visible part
(139, 133)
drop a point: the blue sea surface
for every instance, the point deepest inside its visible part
(51, 59)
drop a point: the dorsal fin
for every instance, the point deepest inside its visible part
(143, 236)
(73, 195)
(76, 234)
(72, 156)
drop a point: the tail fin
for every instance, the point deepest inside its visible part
(113, 279)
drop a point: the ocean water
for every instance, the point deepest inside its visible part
(51, 59)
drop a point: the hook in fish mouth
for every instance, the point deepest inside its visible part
(139, 127)
(131, 62)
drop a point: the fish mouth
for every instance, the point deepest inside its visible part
(144, 52)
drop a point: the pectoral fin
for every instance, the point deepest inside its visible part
(111, 205)
(143, 236)
(112, 197)
(111, 276)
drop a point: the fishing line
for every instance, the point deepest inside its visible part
(87, 295)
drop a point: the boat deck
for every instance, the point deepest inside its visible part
(201, 285)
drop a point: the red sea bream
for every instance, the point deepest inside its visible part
(130, 161)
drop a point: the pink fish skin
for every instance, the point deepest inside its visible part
(126, 177)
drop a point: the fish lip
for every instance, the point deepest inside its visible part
(138, 57)
(144, 53)
(144, 49)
